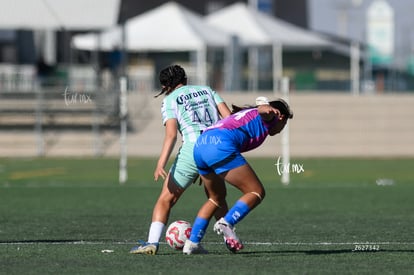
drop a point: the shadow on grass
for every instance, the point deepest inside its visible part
(252, 253)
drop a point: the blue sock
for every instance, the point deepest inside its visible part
(199, 229)
(237, 213)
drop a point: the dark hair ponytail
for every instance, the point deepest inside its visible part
(282, 106)
(235, 108)
(171, 77)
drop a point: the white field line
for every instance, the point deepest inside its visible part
(209, 243)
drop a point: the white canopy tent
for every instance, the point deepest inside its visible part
(256, 29)
(58, 14)
(169, 27)
(46, 16)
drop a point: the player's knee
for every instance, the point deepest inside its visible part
(219, 201)
(223, 204)
(166, 202)
(215, 202)
(260, 194)
(168, 199)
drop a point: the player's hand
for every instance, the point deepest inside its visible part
(159, 172)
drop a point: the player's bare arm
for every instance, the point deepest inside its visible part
(168, 145)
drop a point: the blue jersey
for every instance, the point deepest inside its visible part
(246, 129)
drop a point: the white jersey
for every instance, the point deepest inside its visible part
(194, 107)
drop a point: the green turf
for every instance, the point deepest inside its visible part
(57, 215)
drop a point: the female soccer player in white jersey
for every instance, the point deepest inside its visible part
(187, 109)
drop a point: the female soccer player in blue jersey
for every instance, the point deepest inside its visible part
(187, 109)
(217, 154)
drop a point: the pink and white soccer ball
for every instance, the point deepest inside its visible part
(177, 233)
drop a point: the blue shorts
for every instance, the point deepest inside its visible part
(216, 152)
(184, 170)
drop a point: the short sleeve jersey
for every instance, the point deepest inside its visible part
(246, 129)
(194, 107)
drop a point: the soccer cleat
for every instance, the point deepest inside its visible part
(145, 248)
(193, 248)
(231, 240)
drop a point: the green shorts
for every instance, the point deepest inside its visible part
(184, 170)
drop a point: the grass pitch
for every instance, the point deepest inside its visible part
(346, 216)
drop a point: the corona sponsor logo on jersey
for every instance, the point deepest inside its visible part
(183, 98)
